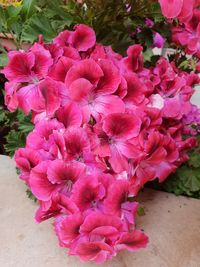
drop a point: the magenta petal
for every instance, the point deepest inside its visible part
(85, 191)
(71, 52)
(80, 90)
(70, 115)
(43, 61)
(11, 99)
(117, 160)
(122, 126)
(60, 171)
(63, 38)
(59, 70)
(67, 228)
(96, 251)
(46, 97)
(83, 37)
(106, 105)
(24, 95)
(111, 79)
(171, 8)
(132, 241)
(87, 69)
(41, 187)
(98, 219)
(19, 66)
(117, 195)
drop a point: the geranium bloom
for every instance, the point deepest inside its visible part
(114, 135)
(104, 126)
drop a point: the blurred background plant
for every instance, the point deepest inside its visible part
(117, 23)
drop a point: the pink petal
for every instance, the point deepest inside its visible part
(11, 100)
(132, 241)
(70, 115)
(76, 142)
(80, 90)
(85, 191)
(105, 105)
(67, 228)
(63, 39)
(96, 251)
(43, 61)
(171, 8)
(122, 126)
(83, 37)
(117, 160)
(19, 66)
(41, 187)
(117, 195)
(46, 97)
(87, 69)
(97, 219)
(111, 79)
(71, 52)
(60, 69)
(60, 171)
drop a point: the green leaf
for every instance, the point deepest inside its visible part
(38, 24)
(24, 122)
(14, 140)
(30, 195)
(140, 211)
(28, 9)
(3, 59)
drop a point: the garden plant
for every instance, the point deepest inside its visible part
(93, 113)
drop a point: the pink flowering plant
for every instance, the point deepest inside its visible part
(104, 126)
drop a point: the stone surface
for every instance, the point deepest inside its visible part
(172, 223)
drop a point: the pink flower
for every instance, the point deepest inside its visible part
(26, 159)
(28, 67)
(104, 126)
(117, 130)
(68, 228)
(134, 61)
(59, 204)
(91, 85)
(87, 191)
(105, 226)
(83, 37)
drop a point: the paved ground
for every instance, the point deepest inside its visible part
(172, 223)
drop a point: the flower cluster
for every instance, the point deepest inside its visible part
(185, 32)
(104, 126)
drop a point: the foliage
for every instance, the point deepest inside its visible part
(16, 125)
(113, 21)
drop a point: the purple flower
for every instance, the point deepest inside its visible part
(149, 23)
(158, 40)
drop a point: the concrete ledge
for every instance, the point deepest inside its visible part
(172, 223)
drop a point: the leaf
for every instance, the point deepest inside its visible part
(28, 9)
(38, 24)
(14, 140)
(24, 122)
(141, 211)
(3, 59)
(30, 195)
